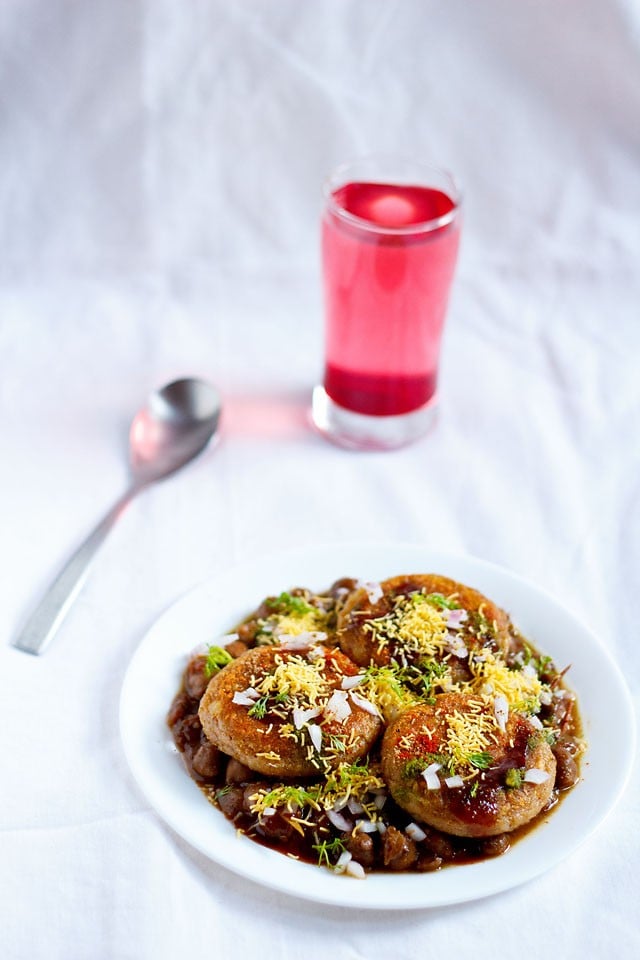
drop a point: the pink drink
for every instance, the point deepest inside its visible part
(389, 255)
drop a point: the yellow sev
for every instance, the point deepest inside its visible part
(296, 677)
(472, 731)
(493, 676)
(414, 625)
(347, 781)
(293, 625)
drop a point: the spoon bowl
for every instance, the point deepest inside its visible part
(176, 424)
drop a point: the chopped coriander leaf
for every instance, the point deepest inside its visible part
(448, 763)
(406, 684)
(481, 761)
(473, 789)
(545, 736)
(217, 658)
(352, 779)
(439, 600)
(414, 767)
(292, 798)
(387, 688)
(513, 778)
(328, 849)
(434, 668)
(480, 625)
(529, 705)
(391, 676)
(540, 664)
(259, 709)
(424, 678)
(290, 604)
(543, 665)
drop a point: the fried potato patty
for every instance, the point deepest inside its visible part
(394, 627)
(284, 713)
(499, 779)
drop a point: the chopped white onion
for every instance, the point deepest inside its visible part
(342, 861)
(228, 638)
(315, 734)
(268, 811)
(431, 777)
(366, 826)
(355, 869)
(455, 781)
(245, 698)
(340, 804)
(455, 618)
(300, 641)
(546, 697)
(337, 706)
(339, 821)
(382, 827)
(316, 653)
(529, 670)
(354, 806)
(364, 704)
(536, 776)
(501, 711)
(200, 650)
(379, 800)
(415, 832)
(300, 716)
(373, 588)
(349, 682)
(536, 722)
(457, 647)
(401, 658)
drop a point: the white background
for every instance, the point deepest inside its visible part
(160, 181)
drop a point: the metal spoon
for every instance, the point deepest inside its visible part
(174, 427)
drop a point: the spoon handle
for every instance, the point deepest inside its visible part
(47, 617)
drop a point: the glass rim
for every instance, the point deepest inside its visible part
(337, 178)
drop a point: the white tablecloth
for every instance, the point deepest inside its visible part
(159, 201)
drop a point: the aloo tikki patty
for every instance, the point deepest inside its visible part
(285, 712)
(466, 767)
(409, 619)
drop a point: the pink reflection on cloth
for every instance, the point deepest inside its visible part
(267, 416)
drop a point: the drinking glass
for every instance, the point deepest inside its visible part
(390, 233)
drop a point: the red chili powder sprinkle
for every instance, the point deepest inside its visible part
(421, 743)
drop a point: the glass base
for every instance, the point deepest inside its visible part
(357, 431)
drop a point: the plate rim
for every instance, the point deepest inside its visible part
(335, 894)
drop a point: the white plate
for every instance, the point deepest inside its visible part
(212, 609)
